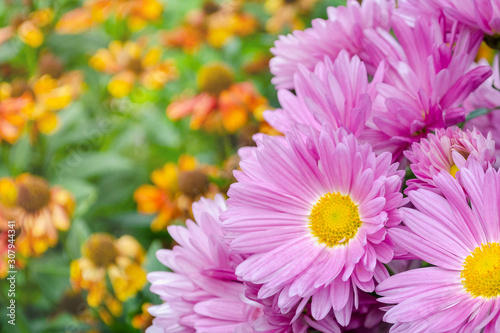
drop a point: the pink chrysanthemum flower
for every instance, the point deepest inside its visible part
(336, 93)
(489, 123)
(487, 95)
(459, 234)
(483, 15)
(426, 90)
(366, 318)
(447, 150)
(201, 293)
(343, 30)
(312, 211)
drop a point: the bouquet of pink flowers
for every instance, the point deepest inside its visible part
(379, 208)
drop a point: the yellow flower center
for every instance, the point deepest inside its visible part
(334, 219)
(100, 249)
(215, 78)
(33, 194)
(481, 271)
(453, 170)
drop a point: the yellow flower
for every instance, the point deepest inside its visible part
(129, 63)
(39, 210)
(42, 17)
(104, 257)
(175, 188)
(30, 34)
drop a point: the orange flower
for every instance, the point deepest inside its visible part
(222, 105)
(175, 188)
(76, 21)
(144, 319)
(104, 257)
(37, 101)
(186, 37)
(130, 62)
(12, 120)
(137, 14)
(214, 23)
(286, 14)
(38, 209)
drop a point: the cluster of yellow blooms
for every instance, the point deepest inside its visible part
(32, 104)
(130, 62)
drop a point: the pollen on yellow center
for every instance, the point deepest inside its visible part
(481, 271)
(453, 170)
(334, 219)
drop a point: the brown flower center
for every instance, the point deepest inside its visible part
(193, 183)
(100, 249)
(19, 87)
(210, 7)
(135, 65)
(215, 78)
(51, 65)
(33, 194)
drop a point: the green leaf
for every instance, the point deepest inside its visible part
(477, 113)
(20, 156)
(77, 235)
(87, 165)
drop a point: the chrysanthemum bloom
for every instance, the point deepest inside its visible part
(104, 257)
(335, 93)
(39, 210)
(447, 150)
(426, 89)
(487, 96)
(459, 234)
(312, 211)
(137, 13)
(201, 293)
(344, 29)
(480, 15)
(222, 104)
(366, 318)
(176, 187)
(28, 29)
(130, 62)
(285, 14)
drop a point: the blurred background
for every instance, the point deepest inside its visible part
(115, 115)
